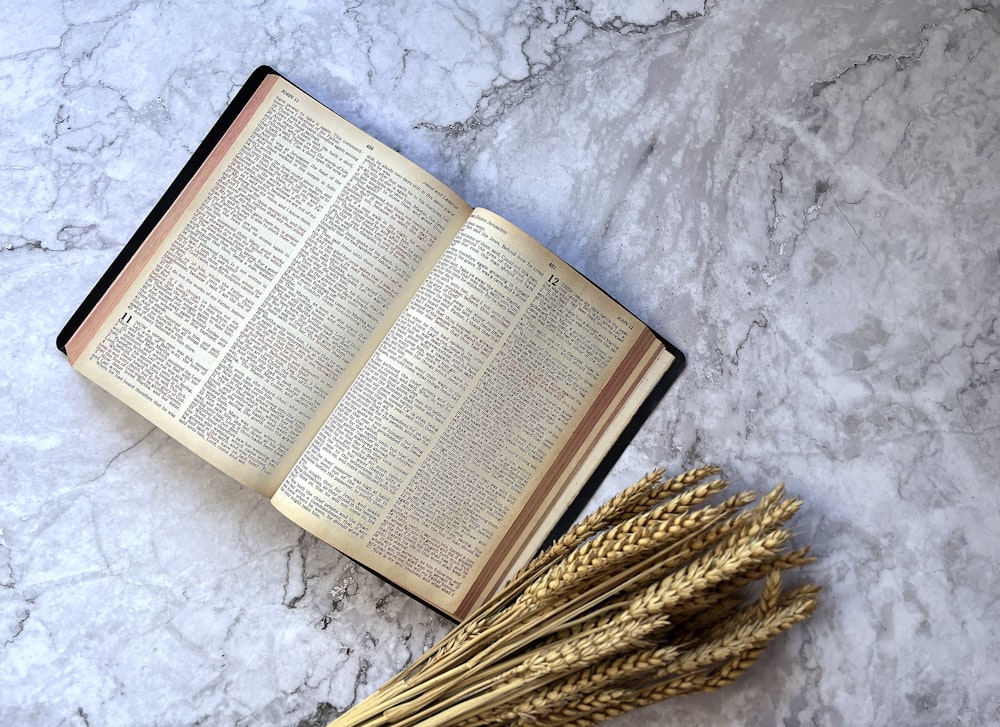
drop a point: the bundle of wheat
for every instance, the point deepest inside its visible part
(656, 594)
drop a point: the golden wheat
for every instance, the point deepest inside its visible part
(656, 594)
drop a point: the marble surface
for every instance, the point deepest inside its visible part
(802, 196)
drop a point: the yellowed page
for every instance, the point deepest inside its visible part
(242, 311)
(432, 464)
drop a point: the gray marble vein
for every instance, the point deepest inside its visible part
(802, 196)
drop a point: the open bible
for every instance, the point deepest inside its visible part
(416, 382)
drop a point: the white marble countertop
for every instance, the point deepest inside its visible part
(803, 197)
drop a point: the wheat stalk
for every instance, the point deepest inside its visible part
(645, 599)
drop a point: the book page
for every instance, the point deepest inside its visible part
(252, 296)
(437, 463)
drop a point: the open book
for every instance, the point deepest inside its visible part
(418, 383)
